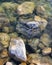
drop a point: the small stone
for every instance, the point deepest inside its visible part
(41, 46)
(1, 47)
(17, 49)
(31, 64)
(33, 43)
(46, 51)
(42, 22)
(45, 39)
(4, 53)
(26, 8)
(23, 63)
(40, 10)
(4, 39)
(9, 63)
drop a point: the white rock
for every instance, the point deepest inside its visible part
(9, 63)
(17, 48)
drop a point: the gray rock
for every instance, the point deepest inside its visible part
(17, 48)
(28, 29)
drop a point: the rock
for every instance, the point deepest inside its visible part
(23, 63)
(17, 49)
(9, 63)
(4, 53)
(41, 46)
(45, 39)
(26, 8)
(1, 10)
(33, 43)
(40, 10)
(1, 47)
(4, 39)
(3, 61)
(8, 29)
(28, 29)
(46, 51)
(13, 35)
(43, 22)
(44, 10)
(3, 20)
(31, 64)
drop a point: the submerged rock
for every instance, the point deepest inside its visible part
(9, 63)
(45, 39)
(43, 22)
(4, 39)
(4, 54)
(17, 49)
(28, 29)
(33, 43)
(1, 47)
(26, 8)
(46, 51)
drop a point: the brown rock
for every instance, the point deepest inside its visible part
(4, 53)
(46, 51)
(23, 63)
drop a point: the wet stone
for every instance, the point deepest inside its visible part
(28, 29)
(46, 51)
(26, 8)
(17, 49)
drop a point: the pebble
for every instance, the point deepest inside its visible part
(9, 63)
(46, 51)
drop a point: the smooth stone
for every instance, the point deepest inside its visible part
(28, 29)
(46, 51)
(26, 8)
(9, 63)
(17, 49)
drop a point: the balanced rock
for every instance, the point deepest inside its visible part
(17, 49)
(28, 29)
(26, 8)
